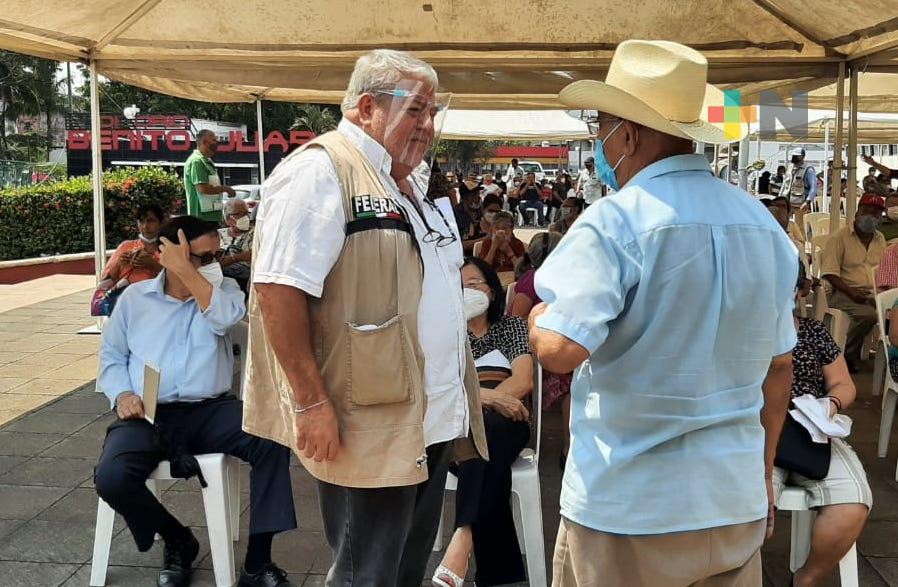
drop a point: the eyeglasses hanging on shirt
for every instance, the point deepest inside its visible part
(432, 236)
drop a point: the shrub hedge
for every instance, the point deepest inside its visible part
(56, 218)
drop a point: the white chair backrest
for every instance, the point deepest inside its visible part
(477, 247)
(884, 303)
(837, 322)
(820, 303)
(817, 245)
(509, 295)
(239, 334)
(816, 224)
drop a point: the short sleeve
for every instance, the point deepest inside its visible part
(197, 172)
(580, 304)
(824, 344)
(301, 224)
(525, 287)
(515, 339)
(831, 260)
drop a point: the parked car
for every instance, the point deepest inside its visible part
(534, 167)
(249, 193)
(550, 174)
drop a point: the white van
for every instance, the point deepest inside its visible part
(533, 167)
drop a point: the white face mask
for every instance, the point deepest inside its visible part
(148, 241)
(242, 223)
(892, 213)
(476, 303)
(490, 216)
(212, 273)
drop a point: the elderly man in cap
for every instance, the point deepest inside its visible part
(800, 186)
(847, 260)
(358, 354)
(682, 350)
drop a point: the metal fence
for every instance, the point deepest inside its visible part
(22, 173)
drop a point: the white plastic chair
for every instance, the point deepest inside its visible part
(478, 246)
(221, 499)
(837, 322)
(525, 485)
(795, 500)
(509, 294)
(885, 301)
(816, 224)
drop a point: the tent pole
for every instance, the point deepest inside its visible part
(97, 174)
(744, 145)
(260, 141)
(835, 186)
(826, 172)
(851, 196)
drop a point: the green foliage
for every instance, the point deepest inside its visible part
(315, 118)
(463, 154)
(56, 218)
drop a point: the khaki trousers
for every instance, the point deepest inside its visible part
(863, 320)
(729, 556)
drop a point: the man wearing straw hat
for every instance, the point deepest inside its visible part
(672, 300)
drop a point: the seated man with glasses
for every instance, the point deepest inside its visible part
(178, 323)
(236, 242)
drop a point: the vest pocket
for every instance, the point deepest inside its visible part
(378, 363)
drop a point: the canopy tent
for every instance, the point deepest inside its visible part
(242, 50)
(512, 125)
(870, 130)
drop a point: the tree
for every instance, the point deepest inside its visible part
(465, 153)
(315, 118)
(17, 93)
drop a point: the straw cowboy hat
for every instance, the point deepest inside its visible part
(659, 84)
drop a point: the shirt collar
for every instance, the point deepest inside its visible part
(373, 150)
(690, 162)
(158, 287)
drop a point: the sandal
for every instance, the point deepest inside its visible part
(443, 577)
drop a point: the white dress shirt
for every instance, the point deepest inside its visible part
(303, 220)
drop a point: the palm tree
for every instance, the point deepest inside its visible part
(47, 90)
(17, 95)
(315, 118)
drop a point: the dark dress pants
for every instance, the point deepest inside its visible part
(131, 453)
(483, 502)
(382, 537)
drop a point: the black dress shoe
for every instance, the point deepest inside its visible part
(178, 559)
(268, 576)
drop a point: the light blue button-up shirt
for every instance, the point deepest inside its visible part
(680, 286)
(190, 348)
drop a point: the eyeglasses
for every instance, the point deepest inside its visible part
(432, 235)
(208, 258)
(420, 104)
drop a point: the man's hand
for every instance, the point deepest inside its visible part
(229, 191)
(176, 257)
(805, 207)
(129, 406)
(511, 408)
(868, 159)
(771, 509)
(858, 296)
(318, 433)
(499, 238)
(143, 258)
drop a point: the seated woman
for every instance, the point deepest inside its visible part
(843, 498)
(483, 518)
(567, 214)
(138, 259)
(502, 250)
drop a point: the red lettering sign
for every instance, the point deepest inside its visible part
(180, 140)
(173, 145)
(275, 138)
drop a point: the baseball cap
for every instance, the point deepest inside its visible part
(872, 200)
(799, 152)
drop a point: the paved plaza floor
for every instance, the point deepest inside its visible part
(51, 440)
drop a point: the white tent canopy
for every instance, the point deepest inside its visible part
(871, 129)
(242, 50)
(512, 125)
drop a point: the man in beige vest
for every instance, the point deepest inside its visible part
(358, 356)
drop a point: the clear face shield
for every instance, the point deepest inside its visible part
(415, 113)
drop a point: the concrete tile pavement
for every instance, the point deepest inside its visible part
(41, 355)
(48, 506)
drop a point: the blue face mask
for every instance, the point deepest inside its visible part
(605, 170)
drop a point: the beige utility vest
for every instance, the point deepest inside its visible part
(364, 331)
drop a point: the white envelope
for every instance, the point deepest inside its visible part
(150, 392)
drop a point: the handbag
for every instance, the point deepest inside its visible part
(798, 453)
(103, 300)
